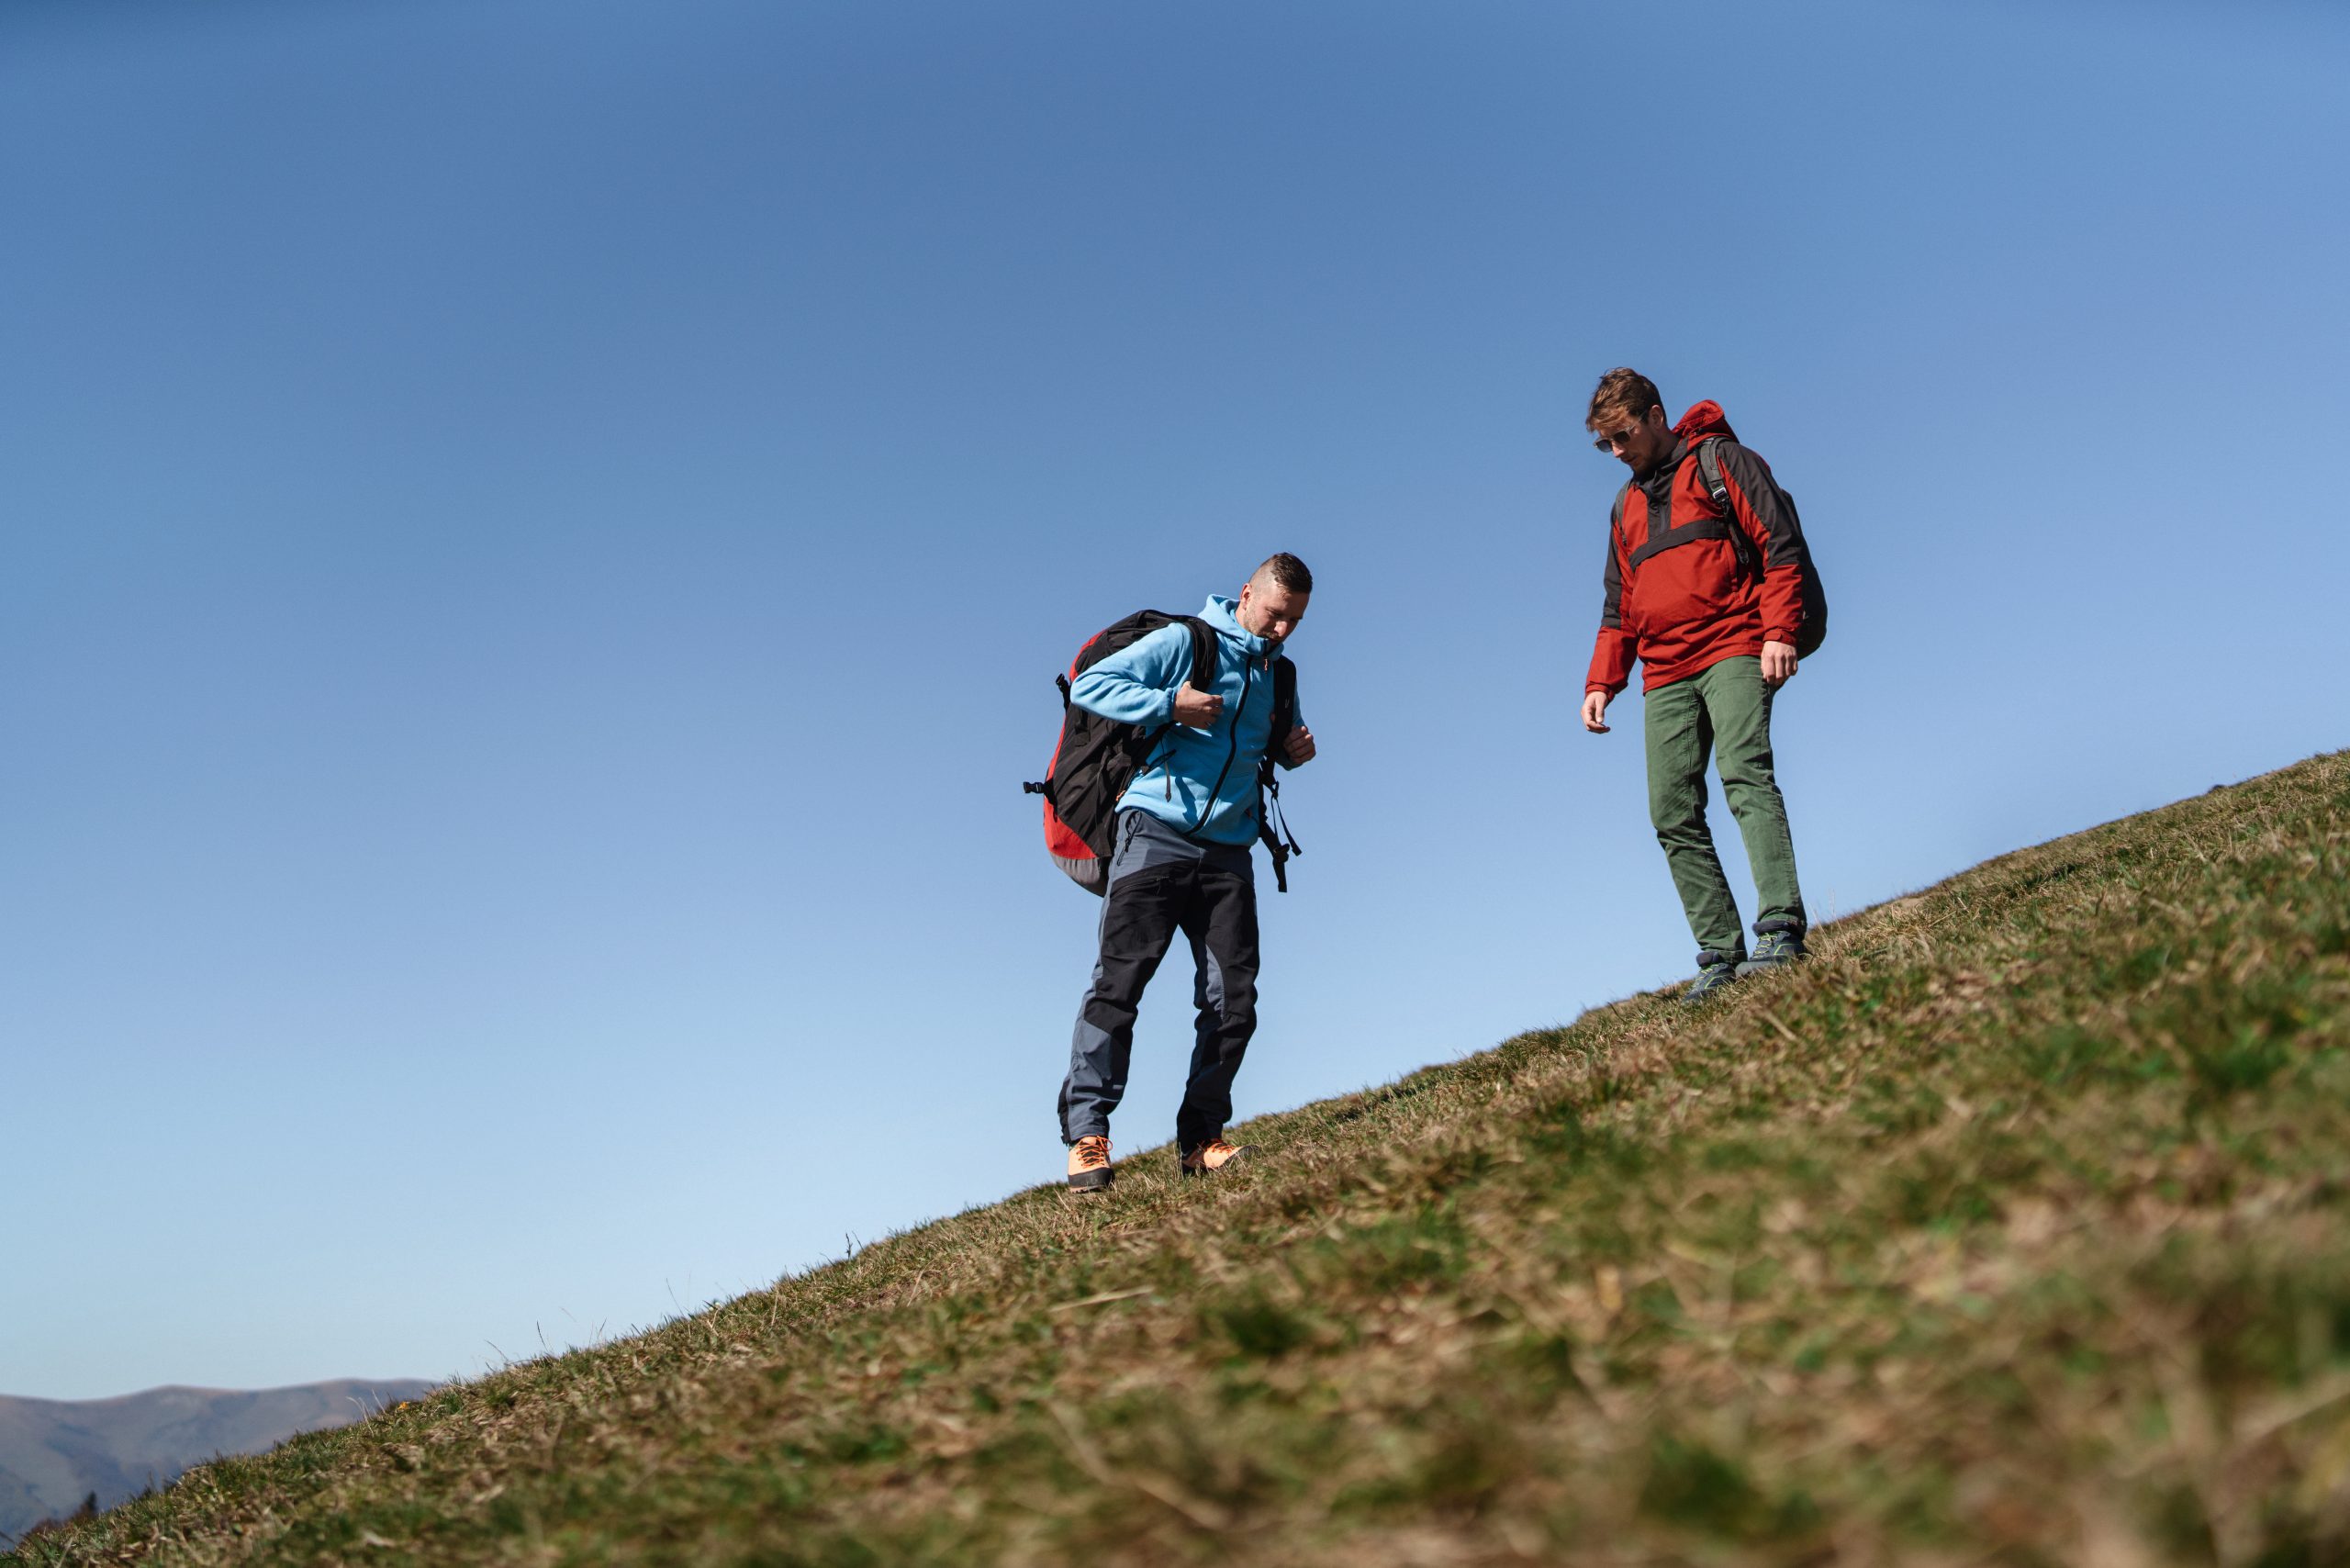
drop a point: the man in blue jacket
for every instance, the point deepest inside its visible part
(1182, 862)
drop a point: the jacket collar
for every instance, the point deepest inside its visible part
(1664, 469)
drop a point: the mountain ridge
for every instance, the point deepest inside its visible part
(55, 1452)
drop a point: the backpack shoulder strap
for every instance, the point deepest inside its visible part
(1281, 843)
(1206, 649)
(1285, 704)
(1709, 469)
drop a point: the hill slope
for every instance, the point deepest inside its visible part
(2010, 1228)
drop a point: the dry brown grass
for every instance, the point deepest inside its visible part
(2009, 1229)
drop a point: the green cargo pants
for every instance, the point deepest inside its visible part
(1724, 709)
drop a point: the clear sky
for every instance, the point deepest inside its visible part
(538, 534)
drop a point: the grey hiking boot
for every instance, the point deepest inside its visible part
(1773, 949)
(1713, 971)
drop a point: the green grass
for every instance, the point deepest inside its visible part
(2011, 1229)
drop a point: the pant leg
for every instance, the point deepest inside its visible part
(1221, 924)
(1679, 735)
(1139, 916)
(1739, 704)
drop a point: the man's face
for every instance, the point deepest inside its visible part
(1268, 609)
(1641, 442)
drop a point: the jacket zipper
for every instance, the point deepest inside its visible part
(1215, 794)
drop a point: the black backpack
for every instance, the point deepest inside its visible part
(1098, 757)
(1814, 628)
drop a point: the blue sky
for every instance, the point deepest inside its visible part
(537, 539)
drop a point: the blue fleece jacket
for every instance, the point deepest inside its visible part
(1136, 685)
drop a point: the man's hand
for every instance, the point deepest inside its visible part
(1196, 710)
(1301, 747)
(1594, 711)
(1778, 664)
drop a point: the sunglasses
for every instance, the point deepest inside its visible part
(1613, 439)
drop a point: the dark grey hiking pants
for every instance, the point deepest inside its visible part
(1161, 882)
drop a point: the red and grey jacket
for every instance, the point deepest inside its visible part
(1683, 592)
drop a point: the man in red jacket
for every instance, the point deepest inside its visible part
(1710, 598)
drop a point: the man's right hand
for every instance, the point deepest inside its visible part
(1594, 711)
(1196, 710)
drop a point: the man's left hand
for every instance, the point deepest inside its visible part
(1778, 662)
(1301, 747)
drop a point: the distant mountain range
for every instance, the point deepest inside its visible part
(56, 1453)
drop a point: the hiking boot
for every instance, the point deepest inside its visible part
(1711, 977)
(1210, 1158)
(1088, 1164)
(1773, 949)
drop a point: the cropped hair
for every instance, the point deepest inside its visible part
(1622, 390)
(1288, 571)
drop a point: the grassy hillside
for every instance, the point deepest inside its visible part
(2011, 1229)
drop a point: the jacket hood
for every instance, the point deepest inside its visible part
(1219, 614)
(1704, 420)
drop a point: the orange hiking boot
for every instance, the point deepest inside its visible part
(1210, 1158)
(1088, 1164)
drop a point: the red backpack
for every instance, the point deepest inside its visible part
(1098, 757)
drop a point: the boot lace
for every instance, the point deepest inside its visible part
(1092, 1153)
